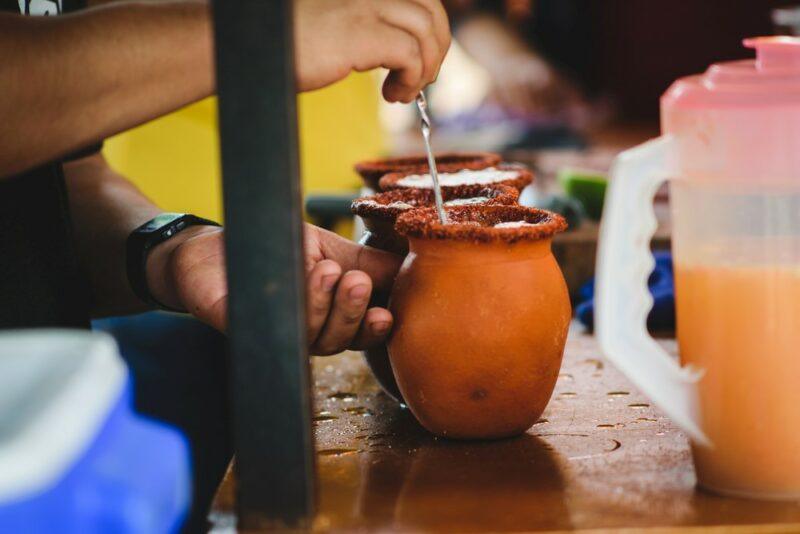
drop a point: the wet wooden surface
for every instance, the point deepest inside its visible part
(600, 458)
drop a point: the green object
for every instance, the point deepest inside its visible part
(328, 209)
(570, 208)
(589, 187)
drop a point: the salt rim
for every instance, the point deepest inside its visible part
(392, 204)
(478, 224)
(514, 175)
(513, 224)
(467, 201)
(396, 204)
(489, 175)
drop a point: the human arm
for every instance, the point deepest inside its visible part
(188, 270)
(70, 81)
(75, 79)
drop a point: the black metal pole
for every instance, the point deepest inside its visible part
(258, 134)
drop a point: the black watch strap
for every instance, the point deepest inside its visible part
(144, 238)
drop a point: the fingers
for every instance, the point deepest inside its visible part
(335, 37)
(403, 58)
(441, 25)
(426, 23)
(418, 21)
(337, 312)
(379, 265)
(321, 283)
(374, 328)
(348, 309)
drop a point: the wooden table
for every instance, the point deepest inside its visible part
(600, 458)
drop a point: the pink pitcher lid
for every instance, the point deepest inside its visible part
(772, 78)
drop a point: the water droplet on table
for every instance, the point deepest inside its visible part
(336, 452)
(345, 396)
(598, 364)
(359, 410)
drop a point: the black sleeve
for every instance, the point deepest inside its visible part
(84, 152)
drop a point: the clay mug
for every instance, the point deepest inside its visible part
(481, 317)
(379, 213)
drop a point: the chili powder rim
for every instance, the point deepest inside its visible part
(476, 224)
(378, 205)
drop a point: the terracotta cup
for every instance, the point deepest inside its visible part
(481, 317)
(380, 212)
(514, 175)
(372, 171)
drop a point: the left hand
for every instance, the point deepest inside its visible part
(188, 272)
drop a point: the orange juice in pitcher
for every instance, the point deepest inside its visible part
(740, 323)
(731, 148)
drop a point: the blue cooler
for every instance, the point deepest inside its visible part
(74, 457)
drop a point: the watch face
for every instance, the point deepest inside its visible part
(160, 221)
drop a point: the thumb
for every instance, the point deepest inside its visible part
(381, 266)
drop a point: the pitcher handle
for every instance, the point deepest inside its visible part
(622, 299)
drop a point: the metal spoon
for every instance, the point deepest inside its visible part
(422, 105)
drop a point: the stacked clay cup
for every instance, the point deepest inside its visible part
(510, 174)
(372, 171)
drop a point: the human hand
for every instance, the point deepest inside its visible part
(340, 277)
(335, 37)
(188, 272)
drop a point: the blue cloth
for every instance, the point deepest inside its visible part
(662, 288)
(180, 377)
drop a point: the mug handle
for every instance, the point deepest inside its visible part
(622, 299)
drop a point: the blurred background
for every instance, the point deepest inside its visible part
(554, 84)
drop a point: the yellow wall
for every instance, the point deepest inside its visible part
(175, 159)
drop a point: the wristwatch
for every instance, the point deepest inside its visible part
(145, 238)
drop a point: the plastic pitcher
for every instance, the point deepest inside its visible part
(731, 149)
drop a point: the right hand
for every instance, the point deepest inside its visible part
(335, 37)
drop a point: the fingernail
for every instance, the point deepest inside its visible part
(380, 328)
(359, 292)
(329, 281)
